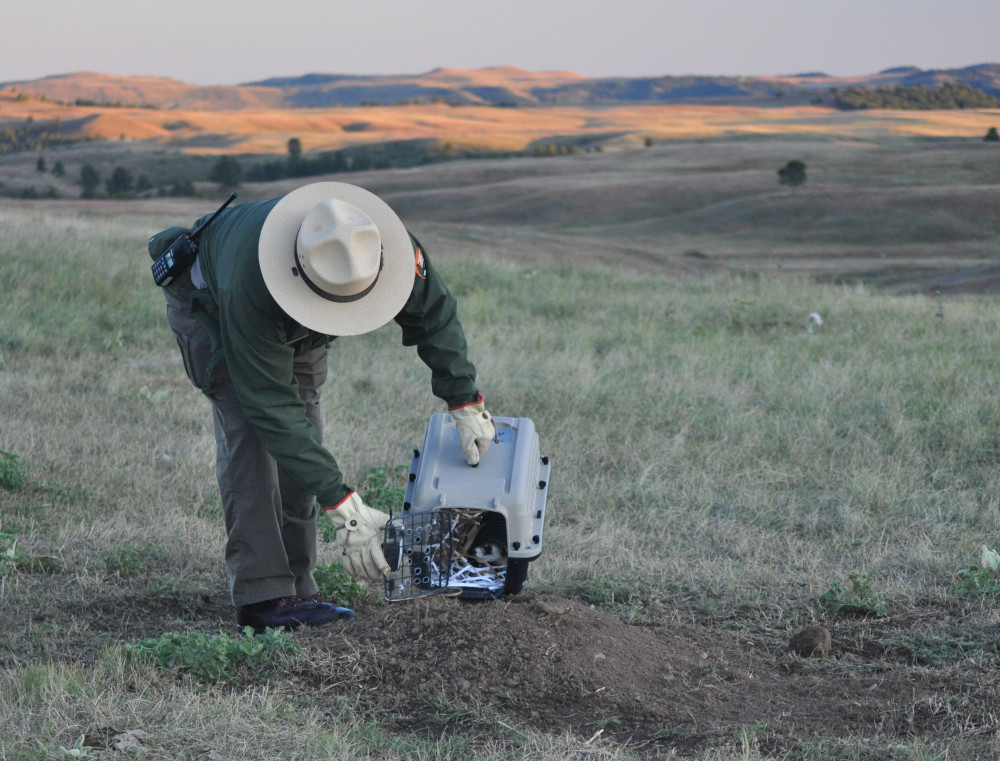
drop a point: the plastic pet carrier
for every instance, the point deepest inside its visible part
(468, 531)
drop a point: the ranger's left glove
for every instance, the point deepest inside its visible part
(476, 429)
(362, 526)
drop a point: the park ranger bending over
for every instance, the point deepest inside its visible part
(273, 284)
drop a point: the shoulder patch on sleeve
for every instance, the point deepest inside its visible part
(420, 265)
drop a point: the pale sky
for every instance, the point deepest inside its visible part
(211, 42)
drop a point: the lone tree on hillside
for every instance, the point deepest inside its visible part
(227, 172)
(120, 182)
(89, 179)
(992, 136)
(793, 173)
(294, 155)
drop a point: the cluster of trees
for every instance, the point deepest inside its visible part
(33, 193)
(30, 136)
(395, 154)
(297, 165)
(227, 172)
(555, 149)
(947, 96)
(121, 184)
(112, 104)
(362, 158)
(58, 169)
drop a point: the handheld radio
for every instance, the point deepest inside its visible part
(182, 252)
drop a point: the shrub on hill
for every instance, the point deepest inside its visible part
(227, 172)
(30, 193)
(948, 96)
(793, 173)
(120, 183)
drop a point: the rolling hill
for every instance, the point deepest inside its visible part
(500, 86)
(449, 113)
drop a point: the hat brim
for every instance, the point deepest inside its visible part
(276, 251)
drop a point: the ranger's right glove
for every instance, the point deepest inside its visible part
(362, 528)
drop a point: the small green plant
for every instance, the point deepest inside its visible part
(153, 397)
(608, 593)
(12, 559)
(131, 561)
(857, 599)
(215, 658)
(77, 749)
(666, 733)
(11, 471)
(983, 579)
(381, 487)
(337, 585)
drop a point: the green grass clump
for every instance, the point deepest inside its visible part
(856, 598)
(976, 581)
(11, 471)
(216, 658)
(383, 487)
(982, 579)
(338, 587)
(12, 559)
(131, 561)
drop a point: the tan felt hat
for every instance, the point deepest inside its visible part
(336, 258)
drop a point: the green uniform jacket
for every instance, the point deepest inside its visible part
(259, 342)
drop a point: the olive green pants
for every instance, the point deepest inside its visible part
(270, 521)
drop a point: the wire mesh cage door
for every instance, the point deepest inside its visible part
(418, 548)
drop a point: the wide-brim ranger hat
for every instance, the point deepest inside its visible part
(336, 258)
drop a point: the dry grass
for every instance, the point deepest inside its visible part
(265, 130)
(716, 455)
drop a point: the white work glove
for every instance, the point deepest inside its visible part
(362, 529)
(476, 429)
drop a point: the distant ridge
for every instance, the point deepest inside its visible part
(158, 92)
(497, 86)
(901, 70)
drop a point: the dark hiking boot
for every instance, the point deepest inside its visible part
(318, 597)
(289, 613)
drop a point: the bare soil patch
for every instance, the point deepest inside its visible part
(558, 664)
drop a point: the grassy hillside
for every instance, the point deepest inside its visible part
(909, 212)
(727, 469)
(262, 129)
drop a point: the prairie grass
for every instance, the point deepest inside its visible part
(717, 452)
(49, 709)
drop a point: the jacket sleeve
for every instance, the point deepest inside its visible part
(260, 363)
(429, 321)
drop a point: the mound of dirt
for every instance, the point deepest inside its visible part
(557, 664)
(443, 665)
